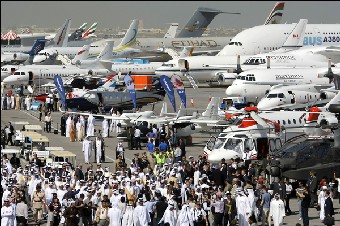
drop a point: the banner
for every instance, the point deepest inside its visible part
(169, 89)
(179, 87)
(61, 91)
(130, 85)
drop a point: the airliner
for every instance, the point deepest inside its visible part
(210, 68)
(122, 50)
(253, 84)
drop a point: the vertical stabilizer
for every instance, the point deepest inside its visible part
(212, 109)
(171, 33)
(61, 38)
(275, 15)
(164, 109)
(130, 36)
(90, 30)
(295, 38)
(106, 53)
(81, 55)
(199, 22)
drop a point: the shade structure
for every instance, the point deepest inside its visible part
(9, 36)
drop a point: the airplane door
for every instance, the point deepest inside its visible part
(12, 70)
(183, 65)
(262, 148)
(30, 78)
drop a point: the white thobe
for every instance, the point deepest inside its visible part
(243, 210)
(105, 128)
(12, 102)
(141, 216)
(115, 216)
(277, 211)
(185, 217)
(7, 216)
(128, 216)
(321, 203)
(28, 103)
(251, 199)
(90, 125)
(79, 131)
(68, 126)
(8, 103)
(113, 124)
(2, 102)
(169, 217)
(98, 150)
(87, 149)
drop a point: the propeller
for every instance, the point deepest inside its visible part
(238, 69)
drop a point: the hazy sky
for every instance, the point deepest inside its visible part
(156, 14)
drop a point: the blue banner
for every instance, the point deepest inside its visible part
(61, 91)
(169, 89)
(179, 87)
(130, 85)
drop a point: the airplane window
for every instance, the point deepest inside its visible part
(310, 96)
(300, 121)
(284, 122)
(240, 44)
(22, 73)
(219, 143)
(281, 95)
(231, 43)
(236, 43)
(249, 144)
(294, 121)
(16, 73)
(289, 122)
(271, 145)
(272, 95)
(243, 78)
(278, 121)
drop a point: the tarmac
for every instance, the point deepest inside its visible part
(201, 98)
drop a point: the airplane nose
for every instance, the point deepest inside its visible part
(230, 91)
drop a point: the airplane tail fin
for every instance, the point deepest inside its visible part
(164, 109)
(171, 33)
(83, 26)
(38, 45)
(90, 30)
(275, 15)
(110, 82)
(295, 38)
(212, 109)
(199, 22)
(130, 36)
(82, 54)
(61, 38)
(180, 112)
(187, 51)
(106, 53)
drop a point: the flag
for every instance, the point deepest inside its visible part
(130, 85)
(61, 91)
(169, 89)
(179, 86)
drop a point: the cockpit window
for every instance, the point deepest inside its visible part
(17, 73)
(272, 95)
(281, 95)
(234, 144)
(231, 43)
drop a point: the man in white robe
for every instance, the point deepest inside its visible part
(7, 214)
(2, 101)
(115, 215)
(98, 149)
(321, 201)
(78, 131)
(243, 209)
(141, 216)
(8, 102)
(12, 102)
(169, 216)
(113, 124)
(28, 103)
(277, 210)
(87, 149)
(128, 216)
(185, 217)
(90, 125)
(105, 128)
(68, 126)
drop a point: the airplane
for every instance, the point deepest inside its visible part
(108, 99)
(275, 15)
(44, 74)
(58, 40)
(21, 57)
(280, 96)
(254, 84)
(222, 68)
(120, 51)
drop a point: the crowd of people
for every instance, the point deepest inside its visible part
(161, 186)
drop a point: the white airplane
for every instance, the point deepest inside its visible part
(120, 51)
(171, 33)
(221, 67)
(287, 96)
(44, 74)
(254, 84)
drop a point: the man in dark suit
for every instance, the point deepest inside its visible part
(329, 210)
(279, 187)
(79, 172)
(313, 186)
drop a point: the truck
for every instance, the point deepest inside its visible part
(236, 102)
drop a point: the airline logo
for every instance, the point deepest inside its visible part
(287, 76)
(320, 40)
(61, 35)
(295, 36)
(81, 51)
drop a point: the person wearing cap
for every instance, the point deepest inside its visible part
(277, 210)
(102, 218)
(321, 201)
(141, 215)
(7, 213)
(38, 200)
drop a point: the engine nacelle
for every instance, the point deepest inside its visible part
(327, 95)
